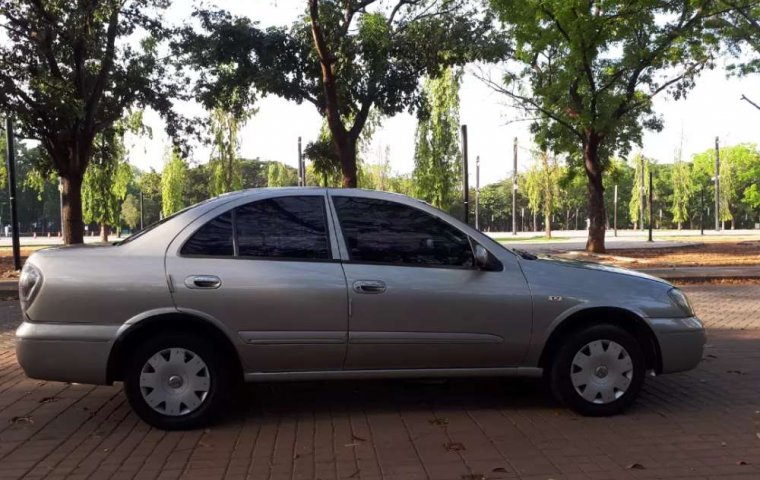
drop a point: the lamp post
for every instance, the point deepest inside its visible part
(477, 192)
(301, 173)
(651, 201)
(60, 201)
(717, 184)
(465, 175)
(10, 157)
(614, 221)
(141, 209)
(514, 188)
(702, 211)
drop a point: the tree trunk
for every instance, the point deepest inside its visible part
(343, 139)
(347, 155)
(548, 225)
(597, 214)
(73, 227)
(104, 232)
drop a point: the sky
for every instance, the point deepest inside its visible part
(713, 108)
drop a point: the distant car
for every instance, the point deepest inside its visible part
(316, 284)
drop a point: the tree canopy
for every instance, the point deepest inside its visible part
(173, 183)
(344, 57)
(67, 74)
(588, 71)
(437, 155)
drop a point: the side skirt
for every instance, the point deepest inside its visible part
(532, 372)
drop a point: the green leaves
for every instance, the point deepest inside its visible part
(108, 176)
(172, 183)
(593, 68)
(437, 158)
(226, 166)
(68, 72)
(740, 25)
(375, 53)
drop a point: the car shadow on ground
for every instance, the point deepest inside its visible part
(727, 378)
(377, 396)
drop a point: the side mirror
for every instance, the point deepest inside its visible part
(481, 257)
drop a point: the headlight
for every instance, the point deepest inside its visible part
(679, 300)
(28, 284)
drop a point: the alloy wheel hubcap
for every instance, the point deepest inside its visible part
(175, 381)
(601, 371)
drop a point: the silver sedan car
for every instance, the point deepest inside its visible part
(304, 284)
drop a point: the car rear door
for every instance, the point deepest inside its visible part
(268, 272)
(416, 298)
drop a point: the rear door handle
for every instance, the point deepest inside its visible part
(369, 286)
(203, 281)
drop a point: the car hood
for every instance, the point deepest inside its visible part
(561, 263)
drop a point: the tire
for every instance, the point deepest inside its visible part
(598, 371)
(178, 382)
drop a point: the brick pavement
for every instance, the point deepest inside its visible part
(697, 425)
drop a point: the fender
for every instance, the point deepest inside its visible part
(162, 315)
(539, 339)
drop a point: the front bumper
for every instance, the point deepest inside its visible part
(65, 352)
(682, 342)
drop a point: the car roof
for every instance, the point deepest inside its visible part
(343, 192)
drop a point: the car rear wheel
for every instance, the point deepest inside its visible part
(177, 382)
(598, 371)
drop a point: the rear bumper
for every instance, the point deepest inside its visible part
(65, 352)
(682, 342)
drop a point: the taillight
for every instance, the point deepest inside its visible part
(28, 284)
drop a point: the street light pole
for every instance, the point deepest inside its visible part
(477, 192)
(465, 174)
(11, 159)
(702, 211)
(60, 201)
(301, 175)
(514, 188)
(717, 184)
(651, 201)
(641, 193)
(615, 213)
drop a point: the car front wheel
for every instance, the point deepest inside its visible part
(177, 382)
(598, 371)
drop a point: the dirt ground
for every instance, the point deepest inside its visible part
(6, 261)
(727, 253)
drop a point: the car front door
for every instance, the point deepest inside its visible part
(266, 271)
(417, 300)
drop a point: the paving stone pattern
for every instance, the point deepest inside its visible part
(697, 425)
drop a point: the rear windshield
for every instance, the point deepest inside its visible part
(160, 222)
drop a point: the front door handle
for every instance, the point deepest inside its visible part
(369, 286)
(203, 281)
